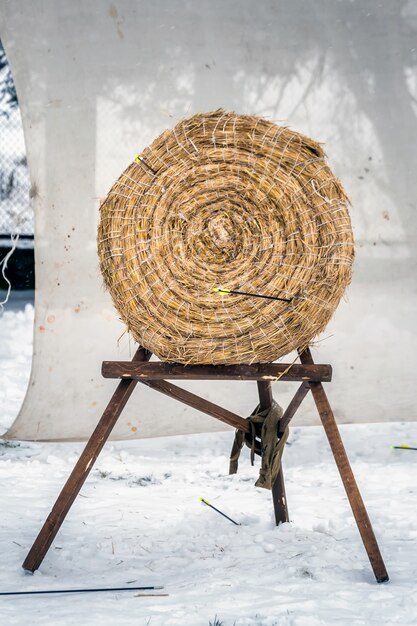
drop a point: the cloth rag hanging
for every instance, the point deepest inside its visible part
(263, 440)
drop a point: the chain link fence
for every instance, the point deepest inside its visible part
(16, 215)
(15, 211)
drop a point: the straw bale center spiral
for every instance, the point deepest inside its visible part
(233, 202)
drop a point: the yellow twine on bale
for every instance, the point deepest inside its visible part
(230, 200)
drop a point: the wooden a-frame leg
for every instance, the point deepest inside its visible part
(279, 498)
(82, 469)
(348, 479)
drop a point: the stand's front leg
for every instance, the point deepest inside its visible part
(348, 479)
(279, 498)
(82, 469)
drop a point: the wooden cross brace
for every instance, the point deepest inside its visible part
(154, 375)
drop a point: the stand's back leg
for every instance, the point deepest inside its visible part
(348, 479)
(82, 469)
(279, 498)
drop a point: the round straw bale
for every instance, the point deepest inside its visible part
(234, 202)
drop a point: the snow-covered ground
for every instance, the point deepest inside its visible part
(16, 339)
(139, 521)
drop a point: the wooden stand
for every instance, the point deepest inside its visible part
(154, 375)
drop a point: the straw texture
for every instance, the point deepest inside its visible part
(230, 201)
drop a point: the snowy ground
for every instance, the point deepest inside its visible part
(16, 338)
(139, 521)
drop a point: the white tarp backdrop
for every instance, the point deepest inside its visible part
(98, 80)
